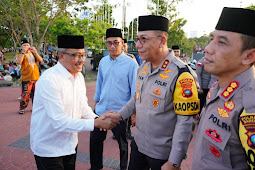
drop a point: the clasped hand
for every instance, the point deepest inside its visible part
(107, 121)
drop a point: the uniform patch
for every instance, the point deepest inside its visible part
(145, 67)
(164, 76)
(155, 103)
(219, 123)
(165, 64)
(144, 72)
(209, 95)
(186, 85)
(232, 86)
(168, 71)
(157, 92)
(223, 113)
(161, 83)
(215, 151)
(138, 84)
(137, 95)
(248, 121)
(229, 105)
(214, 135)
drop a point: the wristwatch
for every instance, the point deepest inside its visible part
(175, 165)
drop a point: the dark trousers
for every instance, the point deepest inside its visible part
(202, 98)
(56, 163)
(97, 138)
(28, 90)
(140, 161)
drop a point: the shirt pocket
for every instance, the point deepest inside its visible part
(214, 145)
(156, 98)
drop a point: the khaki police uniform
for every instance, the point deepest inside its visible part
(227, 126)
(164, 107)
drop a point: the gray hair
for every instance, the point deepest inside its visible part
(61, 50)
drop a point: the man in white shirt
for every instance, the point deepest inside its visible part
(60, 109)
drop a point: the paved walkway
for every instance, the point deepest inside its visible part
(15, 153)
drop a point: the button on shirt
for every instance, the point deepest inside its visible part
(59, 105)
(116, 83)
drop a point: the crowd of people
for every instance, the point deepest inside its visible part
(162, 97)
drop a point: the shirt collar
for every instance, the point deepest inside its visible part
(117, 58)
(64, 71)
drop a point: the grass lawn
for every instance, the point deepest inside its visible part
(9, 57)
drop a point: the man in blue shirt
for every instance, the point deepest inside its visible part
(116, 84)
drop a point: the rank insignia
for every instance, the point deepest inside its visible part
(155, 103)
(144, 72)
(214, 135)
(165, 64)
(233, 85)
(163, 76)
(229, 105)
(186, 85)
(215, 151)
(137, 95)
(209, 95)
(223, 113)
(145, 67)
(248, 122)
(138, 84)
(168, 71)
(157, 92)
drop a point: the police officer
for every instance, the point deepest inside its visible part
(204, 79)
(225, 135)
(165, 100)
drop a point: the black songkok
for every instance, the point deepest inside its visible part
(175, 47)
(23, 41)
(152, 22)
(113, 32)
(237, 20)
(71, 41)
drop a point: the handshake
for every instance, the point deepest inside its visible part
(107, 121)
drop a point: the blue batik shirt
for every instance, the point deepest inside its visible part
(116, 83)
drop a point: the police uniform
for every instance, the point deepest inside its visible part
(226, 132)
(164, 103)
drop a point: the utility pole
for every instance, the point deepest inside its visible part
(157, 7)
(124, 17)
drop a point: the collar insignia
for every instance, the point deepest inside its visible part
(209, 95)
(233, 85)
(168, 71)
(229, 105)
(165, 64)
(137, 95)
(144, 72)
(145, 67)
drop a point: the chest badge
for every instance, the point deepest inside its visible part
(144, 72)
(145, 67)
(186, 85)
(214, 135)
(164, 76)
(215, 151)
(223, 113)
(165, 64)
(229, 105)
(155, 103)
(168, 71)
(157, 92)
(233, 85)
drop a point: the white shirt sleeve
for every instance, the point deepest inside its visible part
(53, 104)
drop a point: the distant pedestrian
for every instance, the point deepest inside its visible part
(29, 59)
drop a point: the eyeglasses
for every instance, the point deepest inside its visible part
(143, 40)
(115, 43)
(76, 56)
